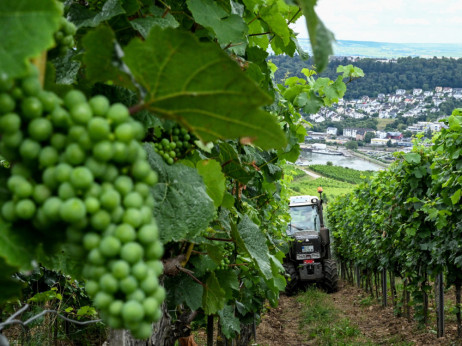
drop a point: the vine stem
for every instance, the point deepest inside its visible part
(219, 239)
(190, 274)
(12, 320)
(41, 63)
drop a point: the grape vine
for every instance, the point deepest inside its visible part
(217, 133)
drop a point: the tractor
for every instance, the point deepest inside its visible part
(309, 259)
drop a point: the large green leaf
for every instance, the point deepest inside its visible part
(198, 85)
(83, 17)
(214, 179)
(213, 299)
(26, 29)
(188, 291)
(229, 29)
(230, 324)
(16, 246)
(250, 237)
(320, 37)
(99, 52)
(183, 208)
(10, 287)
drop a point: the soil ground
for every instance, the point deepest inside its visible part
(372, 324)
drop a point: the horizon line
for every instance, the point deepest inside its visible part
(369, 41)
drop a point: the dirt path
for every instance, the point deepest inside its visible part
(373, 324)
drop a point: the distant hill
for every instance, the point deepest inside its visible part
(370, 49)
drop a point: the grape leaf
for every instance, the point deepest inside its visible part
(16, 246)
(214, 179)
(83, 17)
(26, 29)
(229, 322)
(198, 85)
(320, 37)
(250, 237)
(66, 68)
(229, 281)
(228, 28)
(157, 18)
(412, 157)
(99, 52)
(183, 208)
(213, 299)
(10, 287)
(188, 291)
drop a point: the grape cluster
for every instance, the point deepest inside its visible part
(78, 168)
(96, 5)
(64, 38)
(227, 254)
(173, 144)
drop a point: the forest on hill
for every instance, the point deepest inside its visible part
(382, 77)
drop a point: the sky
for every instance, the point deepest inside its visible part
(397, 21)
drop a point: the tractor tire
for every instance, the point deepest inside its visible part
(291, 278)
(330, 281)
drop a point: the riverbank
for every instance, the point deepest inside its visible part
(368, 159)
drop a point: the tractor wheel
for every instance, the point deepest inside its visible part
(330, 282)
(292, 278)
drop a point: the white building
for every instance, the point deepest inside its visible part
(332, 131)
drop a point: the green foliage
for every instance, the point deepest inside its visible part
(407, 218)
(351, 145)
(199, 65)
(407, 73)
(342, 173)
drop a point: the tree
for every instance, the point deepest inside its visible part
(352, 145)
(389, 143)
(368, 137)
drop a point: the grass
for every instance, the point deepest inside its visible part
(323, 324)
(306, 185)
(381, 123)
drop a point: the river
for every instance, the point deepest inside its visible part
(339, 160)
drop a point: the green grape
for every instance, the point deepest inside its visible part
(150, 305)
(9, 211)
(120, 269)
(128, 285)
(148, 233)
(100, 220)
(140, 270)
(81, 113)
(133, 200)
(98, 128)
(96, 167)
(66, 191)
(92, 288)
(51, 208)
(41, 193)
(31, 107)
(109, 246)
(48, 156)
(40, 129)
(132, 217)
(125, 132)
(81, 178)
(137, 295)
(72, 210)
(155, 251)
(95, 257)
(10, 123)
(149, 284)
(132, 311)
(49, 100)
(74, 97)
(131, 252)
(60, 118)
(143, 331)
(13, 140)
(92, 204)
(115, 308)
(25, 209)
(49, 178)
(99, 105)
(31, 86)
(63, 172)
(103, 151)
(58, 141)
(91, 241)
(125, 233)
(110, 199)
(123, 184)
(74, 154)
(108, 283)
(29, 149)
(102, 300)
(118, 113)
